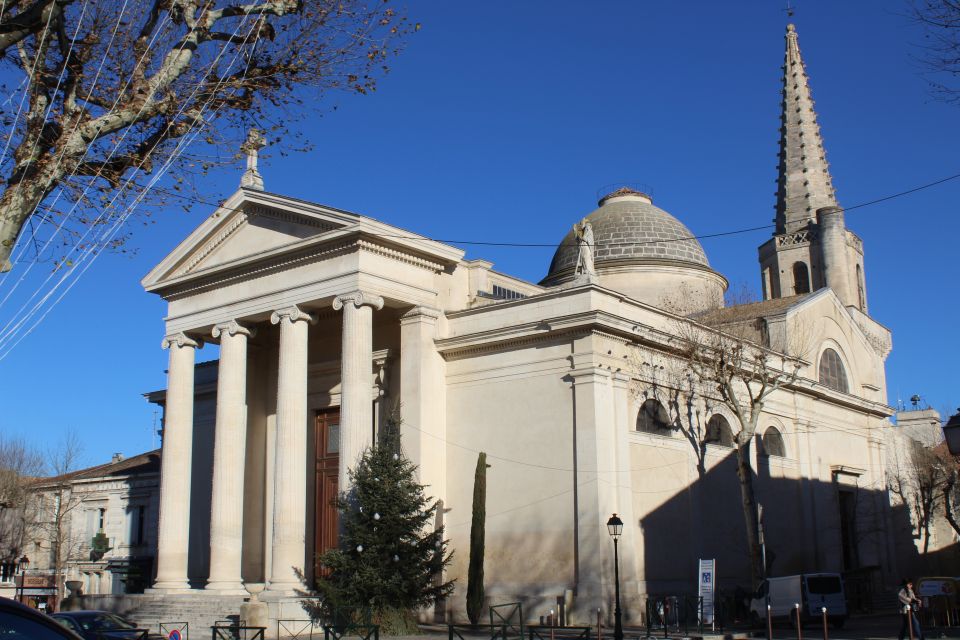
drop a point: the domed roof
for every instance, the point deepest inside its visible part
(627, 229)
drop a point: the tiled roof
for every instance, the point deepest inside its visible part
(148, 462)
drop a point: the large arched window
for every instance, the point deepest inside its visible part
(773, 443)
(653, 418)
(801, 278)
(832, 373)
(719, 431)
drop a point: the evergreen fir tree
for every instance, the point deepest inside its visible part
(390, 557)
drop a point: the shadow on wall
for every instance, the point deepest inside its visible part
(809, 525)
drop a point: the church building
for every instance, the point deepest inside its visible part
(328, 321)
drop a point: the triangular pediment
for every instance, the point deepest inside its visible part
(240, 230)
(250, 232)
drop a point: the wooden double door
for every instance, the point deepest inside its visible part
(327, 439)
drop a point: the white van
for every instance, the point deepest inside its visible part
(812, 591)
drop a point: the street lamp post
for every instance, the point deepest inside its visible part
(615, 528)
(22, 564)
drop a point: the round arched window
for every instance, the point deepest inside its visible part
(832, 373)
(719, 431)
(773, 443)
(653, 418)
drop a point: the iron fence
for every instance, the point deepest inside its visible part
(295, 629)
(510, 617)
(182, 628)
(674, 613)
(236, 632)
(546, 632)
(362, 631)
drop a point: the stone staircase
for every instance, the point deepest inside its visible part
(199, 612)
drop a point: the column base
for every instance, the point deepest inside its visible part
(170, 586)
(280, 590)
(225, 588)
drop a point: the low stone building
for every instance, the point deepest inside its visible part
(104, 519)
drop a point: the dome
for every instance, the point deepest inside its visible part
(627, 228)
(644, 252)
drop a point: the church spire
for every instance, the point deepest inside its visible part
(803, 182)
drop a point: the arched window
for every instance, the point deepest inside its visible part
(773, 443)
(653, 418)
(861, 290)
(719, 432)
(832, 373)
(801, 278)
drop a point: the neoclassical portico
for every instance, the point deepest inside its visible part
(303, 288)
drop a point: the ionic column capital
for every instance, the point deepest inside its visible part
(293, 314)
(181, 340)
(232, 328)
(357, 299)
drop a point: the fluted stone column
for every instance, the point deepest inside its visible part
(173, 533)
(356, 406)
(290, 466)
(229, 455)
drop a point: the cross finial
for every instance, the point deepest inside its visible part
(251, 177)
(789, 10)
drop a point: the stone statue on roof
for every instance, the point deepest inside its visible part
(584, 270)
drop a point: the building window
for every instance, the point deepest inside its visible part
(773, 443)
(719, 432)
(101, 518)
(653, 418)
(801, 278)
(832, 373)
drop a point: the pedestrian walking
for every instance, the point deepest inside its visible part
(909, 606)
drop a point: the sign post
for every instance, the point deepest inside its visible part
(706, 581)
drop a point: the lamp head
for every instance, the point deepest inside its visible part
(615, 526)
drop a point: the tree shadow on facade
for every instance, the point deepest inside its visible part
(809, 525)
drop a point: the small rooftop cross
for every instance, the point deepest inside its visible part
(251, 177)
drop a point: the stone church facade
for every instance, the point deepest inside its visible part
(328, 320)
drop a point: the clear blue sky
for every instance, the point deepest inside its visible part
(502, 120)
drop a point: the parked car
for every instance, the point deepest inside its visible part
(19, 622)
(101, 625)
(812, 591)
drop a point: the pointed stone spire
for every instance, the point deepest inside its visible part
(803, 183)
(251, 177)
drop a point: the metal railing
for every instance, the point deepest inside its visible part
(496, 631)
(236, 632)
(674, 613)
(546, 632)
(510, 616)
(182, 630)
(362, 631)
(295, 629)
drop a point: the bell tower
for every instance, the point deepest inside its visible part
(811, 247)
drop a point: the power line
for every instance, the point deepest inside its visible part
(522, 245)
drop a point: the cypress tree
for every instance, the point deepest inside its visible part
(477, 536)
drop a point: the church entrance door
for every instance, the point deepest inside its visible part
(327, 438)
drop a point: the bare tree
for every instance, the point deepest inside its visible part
(112, 94)
(20, 465)
(57, 502)
(940, 20)
(920, 478)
